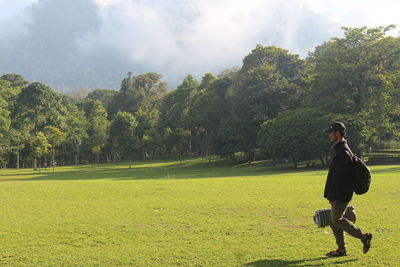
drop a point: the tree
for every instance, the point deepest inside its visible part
(15, 142)
(38, 106)
(123, 138)
(175, 103)
(4, 117)
(77, 96)
(55, 138)
(9, 93)
(98, 125)
(16, 80)
(40, 147)
(76, 131)
(207, 107)
(229, 139)
(96, 150)
(270, 81)
(173, 113)
(142, 91)
(103, 95)
(359, 75)
(4, 129)
(359, 134)
(296, 134)
(152, 142)
(176, 140)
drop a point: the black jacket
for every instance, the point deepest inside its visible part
(339, 184)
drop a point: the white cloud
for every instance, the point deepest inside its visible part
(10, 8)
(181, 37)
(178, 37)
(357, 13)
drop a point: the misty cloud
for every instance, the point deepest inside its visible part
(84, 43)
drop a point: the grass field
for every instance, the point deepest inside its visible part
(167, 214)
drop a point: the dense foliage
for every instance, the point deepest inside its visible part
(275, 106)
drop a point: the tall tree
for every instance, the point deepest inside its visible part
(270, 81)
(38, 106)
(40, 146)
(4, 117)
(16, 80)
(296, 134)
(174, 122)
(358, 74)
(207, 107)
(142, 91)
(76, 131)
(98, 126)
(152, 142)
(103, 95)
(9, 92)
(4, 129)
(55, 138)
(175, 102)
(123, 138)
(16, 140)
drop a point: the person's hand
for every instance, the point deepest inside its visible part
(331, 202)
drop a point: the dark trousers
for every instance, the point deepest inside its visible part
(340, 224)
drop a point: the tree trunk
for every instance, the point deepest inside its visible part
(249, 156)
(151, 161)
(52, 159)
(17, 160)
(234, 158)
(294, 161)
(327, 159)
(322, 160)
(209, 155)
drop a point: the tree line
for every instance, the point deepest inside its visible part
(274, 106)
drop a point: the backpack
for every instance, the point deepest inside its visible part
(362, 176)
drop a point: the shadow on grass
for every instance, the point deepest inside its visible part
(168, 169)
(305, 262)
(192, 169)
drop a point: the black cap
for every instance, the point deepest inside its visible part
(337, 127)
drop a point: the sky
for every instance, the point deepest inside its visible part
(72, 44)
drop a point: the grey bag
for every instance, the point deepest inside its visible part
(322, 218)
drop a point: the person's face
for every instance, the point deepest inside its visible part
(334, 136)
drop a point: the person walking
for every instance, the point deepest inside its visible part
(339, 191)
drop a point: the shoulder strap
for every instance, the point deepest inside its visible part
(352, 155)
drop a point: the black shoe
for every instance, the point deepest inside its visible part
(367, 242)
(336, 253)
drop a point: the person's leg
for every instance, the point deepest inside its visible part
(339, 221)
(337, 231)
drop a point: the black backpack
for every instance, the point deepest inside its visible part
(362, 176)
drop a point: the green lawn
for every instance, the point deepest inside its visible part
(166, 214)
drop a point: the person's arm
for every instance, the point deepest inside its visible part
(340, 175)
